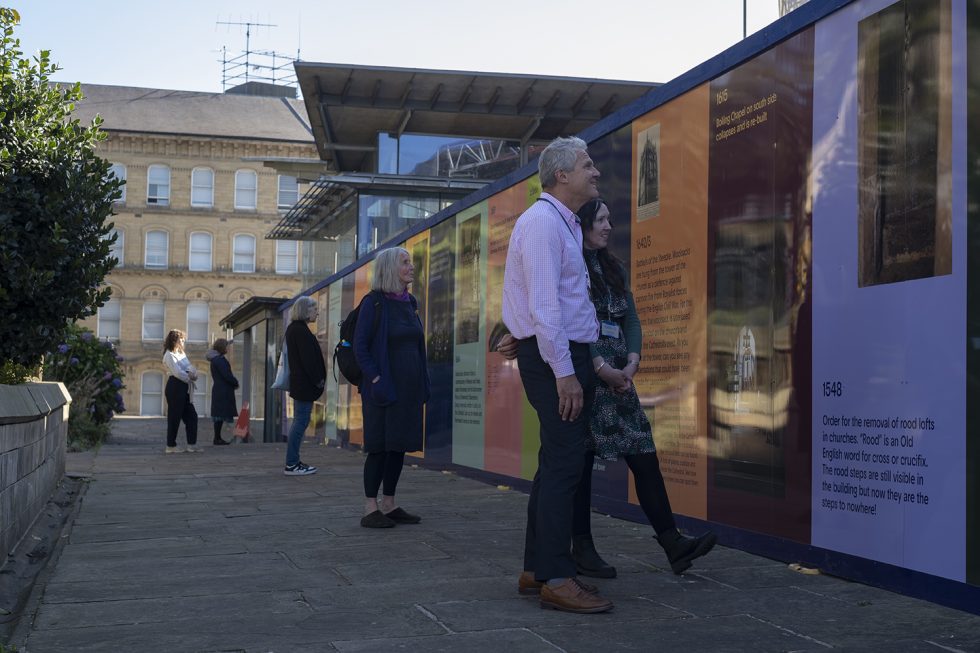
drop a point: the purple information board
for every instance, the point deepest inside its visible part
(889, 284)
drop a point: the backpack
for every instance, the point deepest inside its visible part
(343, 353)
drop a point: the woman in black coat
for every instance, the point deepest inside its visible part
(223, 385)
(307, 377)
(389, 344)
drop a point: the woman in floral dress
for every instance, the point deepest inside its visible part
(619, 425)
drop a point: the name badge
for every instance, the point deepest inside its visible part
(608, 329)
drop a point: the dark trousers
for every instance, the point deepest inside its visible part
(560, 461)
(582, 503)
(650, 491)
(382, 467)
(180, 409)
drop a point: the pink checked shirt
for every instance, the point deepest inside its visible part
(546, 284)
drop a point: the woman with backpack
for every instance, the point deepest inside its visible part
(389, 344)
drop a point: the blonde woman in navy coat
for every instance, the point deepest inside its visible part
(394, 386)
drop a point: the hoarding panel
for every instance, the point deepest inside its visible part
(505, 402)
(758, 291)
(469, 349)
(669, 239)
(439, 334)
(418, 247)
(889, 243)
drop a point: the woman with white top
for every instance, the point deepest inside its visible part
(179, 391)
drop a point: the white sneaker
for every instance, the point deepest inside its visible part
(193, 448)
(299, 469)
(174, 450)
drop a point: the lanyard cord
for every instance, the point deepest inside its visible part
(588, 277)
(563, 220)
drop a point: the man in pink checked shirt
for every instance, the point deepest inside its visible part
(546, 307)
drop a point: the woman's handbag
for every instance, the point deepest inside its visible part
(282, 371)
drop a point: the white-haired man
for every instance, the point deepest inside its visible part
(546, 307)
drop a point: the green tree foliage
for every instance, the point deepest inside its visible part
(55, 201)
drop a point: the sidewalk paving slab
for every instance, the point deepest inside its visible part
(219, 551)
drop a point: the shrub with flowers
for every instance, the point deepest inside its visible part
(91, 370)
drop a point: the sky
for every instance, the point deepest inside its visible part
(178, 44)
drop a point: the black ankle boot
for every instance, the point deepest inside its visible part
(218, 440)
(681, 549)
(587, 560)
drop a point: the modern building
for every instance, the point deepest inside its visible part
(192, 220)
(397, 145)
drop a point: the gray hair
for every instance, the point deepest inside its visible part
(560, 154)
(386, 270)
(303, 309)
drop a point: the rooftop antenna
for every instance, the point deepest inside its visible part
(242, 68)
(248, 37)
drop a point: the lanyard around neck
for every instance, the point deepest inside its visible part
(588, 279)
(563, 220)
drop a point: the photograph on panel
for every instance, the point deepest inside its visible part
(904, 143)
(648, 173)
(468, 280)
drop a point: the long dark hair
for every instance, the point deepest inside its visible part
(612, 267)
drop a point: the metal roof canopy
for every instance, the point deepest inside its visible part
(254, 311)
(348, 105)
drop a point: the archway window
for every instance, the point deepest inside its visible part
(151, 393)
(288, 192)
(200, 397)
(197, 322)
(158, 186)
(157, 246)
(244, 254)
(202, 187)
(246, 190)
(287, 257)
(200, 252)
(109, 318)
(153, 319)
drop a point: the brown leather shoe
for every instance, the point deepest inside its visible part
(527, 586)
(571, 596)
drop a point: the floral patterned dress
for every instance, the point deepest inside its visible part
(619, 425)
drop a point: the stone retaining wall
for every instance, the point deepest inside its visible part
(33, 443)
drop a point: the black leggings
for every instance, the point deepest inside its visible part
(382, 466)
(650, 490)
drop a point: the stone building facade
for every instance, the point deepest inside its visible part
(191, 226)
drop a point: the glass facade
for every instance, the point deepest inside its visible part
(428, 155)
(383, 216)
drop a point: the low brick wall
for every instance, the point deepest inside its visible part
(33, 443)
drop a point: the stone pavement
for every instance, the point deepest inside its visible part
(219, 551)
